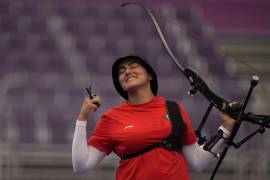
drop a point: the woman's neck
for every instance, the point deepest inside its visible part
(140, 97)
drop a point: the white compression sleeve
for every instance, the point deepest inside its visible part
(84, 156)
(197, 158)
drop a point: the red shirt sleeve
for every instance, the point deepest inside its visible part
(189, 135)
(101, 138)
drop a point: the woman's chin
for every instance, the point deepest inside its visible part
(131, 88)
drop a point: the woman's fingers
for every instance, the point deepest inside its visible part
(88, 105)
(227, 121)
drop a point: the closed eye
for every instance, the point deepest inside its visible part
(130, 65)
(122, 70)
(134, 65)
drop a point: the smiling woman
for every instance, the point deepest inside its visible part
(132, 75)
(125, 66)
(134, 79)
(137, 130)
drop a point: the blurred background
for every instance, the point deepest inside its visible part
(50, 50)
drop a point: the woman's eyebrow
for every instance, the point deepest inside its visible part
(128, 63)
(121, 66)
(132, 62)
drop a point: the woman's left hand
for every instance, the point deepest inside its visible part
(227, 121)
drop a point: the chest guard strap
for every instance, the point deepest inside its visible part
(174, 142)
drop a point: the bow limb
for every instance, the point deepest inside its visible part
(161, 36)
(195, 80)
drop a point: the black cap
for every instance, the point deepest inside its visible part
(140, 60)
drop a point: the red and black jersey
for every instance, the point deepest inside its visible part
(126, 129)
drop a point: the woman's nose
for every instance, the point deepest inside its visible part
(128, 71)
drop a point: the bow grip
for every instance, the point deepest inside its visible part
(197, 84)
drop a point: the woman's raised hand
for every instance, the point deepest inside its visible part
(88, 106)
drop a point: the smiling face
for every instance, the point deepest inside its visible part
(133, 75)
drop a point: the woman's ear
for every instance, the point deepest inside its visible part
(150, 77)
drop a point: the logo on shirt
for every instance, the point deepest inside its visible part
(166, 116)
(126, 127)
